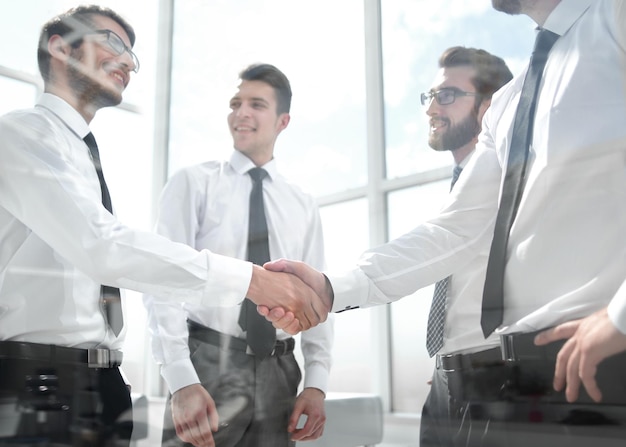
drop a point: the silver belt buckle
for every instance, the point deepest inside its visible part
(507, 348)
(103, 358)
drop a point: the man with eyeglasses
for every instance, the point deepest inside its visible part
(456, 103)
(64, 255)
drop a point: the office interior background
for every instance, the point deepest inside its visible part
(357, 139)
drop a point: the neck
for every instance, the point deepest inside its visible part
(462, 152)
(85, 109)
(539, 10)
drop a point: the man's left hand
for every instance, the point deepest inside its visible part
(591, 340)
(310, 402)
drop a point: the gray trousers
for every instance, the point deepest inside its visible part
(254, 398)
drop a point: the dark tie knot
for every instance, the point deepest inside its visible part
(544, 42)
(455, 174)
(257, 174)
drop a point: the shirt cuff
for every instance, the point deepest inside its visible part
(350, 290)
(228, 281)
(179, 374)
(316, 376)
(617, 309)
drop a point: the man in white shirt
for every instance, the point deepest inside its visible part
(566, 247)
(210, 370)
(64, 254)
(456, 104)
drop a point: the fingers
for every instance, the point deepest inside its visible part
(561, 366)
(572, 379)
(560, 332)
(279, 265)
(308, 301)
(195, 435)
(587, 373)
(312, 429)
(194, 415)
(264, 310)
(311, 404)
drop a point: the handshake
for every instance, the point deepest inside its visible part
(291, 295)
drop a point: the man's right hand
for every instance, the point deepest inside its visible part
(195, 415)
(312, 290)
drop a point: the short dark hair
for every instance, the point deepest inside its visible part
(491, 71)
(273, 76)
(73, 25)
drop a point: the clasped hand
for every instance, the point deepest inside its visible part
(292, 295)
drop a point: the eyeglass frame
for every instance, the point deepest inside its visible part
(117, 51)
(427, 97)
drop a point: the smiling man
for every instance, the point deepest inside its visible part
(211, 361)
(456, 103)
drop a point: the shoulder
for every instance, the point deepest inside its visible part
(31, 122)
(289, 187)
(34, 129)
(199, 171)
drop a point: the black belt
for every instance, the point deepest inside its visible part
(215, 338)
(92, 358)
(458, 362)
(521, 347)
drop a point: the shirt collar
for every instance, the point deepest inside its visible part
(66, 113)
(566, 13)
(242, 164)
(466, 160)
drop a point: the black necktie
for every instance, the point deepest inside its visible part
(260, 334)
(110, 296)
(437, 314)
(521, 138)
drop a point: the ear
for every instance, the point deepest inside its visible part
(283, 121)
(482, 108)
(58, 47)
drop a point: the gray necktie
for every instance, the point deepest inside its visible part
(521, 138)
(260, 334)
(437, 314)
(109, 296)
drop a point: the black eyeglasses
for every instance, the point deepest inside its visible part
(118, 46)
(444, 96)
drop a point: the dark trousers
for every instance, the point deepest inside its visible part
(514, 404)
(254, 398)
(54, 404)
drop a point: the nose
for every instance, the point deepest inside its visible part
(243, 110)
(127, 61)
(433, 107)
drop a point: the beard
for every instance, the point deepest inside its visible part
(512, 7)
(456, 136)
(87, 88)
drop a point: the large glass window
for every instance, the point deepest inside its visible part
(16, 94)
(318, 45)
(415, 33)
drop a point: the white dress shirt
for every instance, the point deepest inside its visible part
(206, 206)
(58, 244)
(462, 331)
(567, 247)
